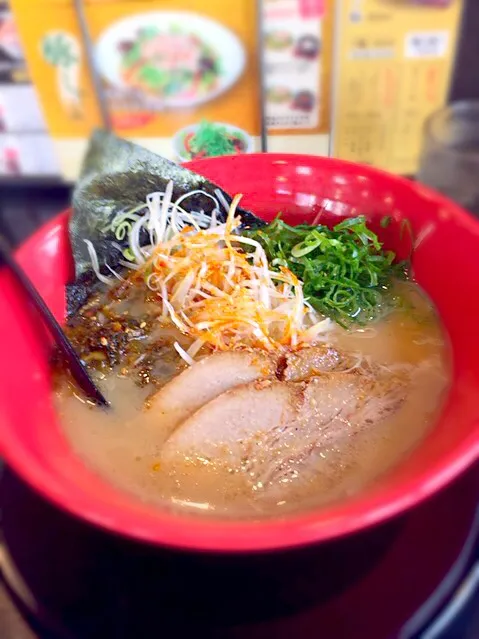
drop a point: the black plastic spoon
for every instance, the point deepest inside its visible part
(77, 369)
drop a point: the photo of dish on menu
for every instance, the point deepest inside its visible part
(210, 139)
(297, 61)
(170, 60)
(171, 74)
(292, 61)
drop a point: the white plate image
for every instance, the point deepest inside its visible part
(184, 42)
(181, 155)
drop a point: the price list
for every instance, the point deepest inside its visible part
(393, 67)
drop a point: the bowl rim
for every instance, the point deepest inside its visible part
(198, 534)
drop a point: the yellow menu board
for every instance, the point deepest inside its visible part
(393, 64)
(297, 51)
(56, 61)
(164, 66)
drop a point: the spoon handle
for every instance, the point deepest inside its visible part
(77, 369)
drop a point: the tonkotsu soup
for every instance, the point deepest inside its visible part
(248, 380)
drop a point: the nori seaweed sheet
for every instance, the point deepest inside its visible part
(117, 175)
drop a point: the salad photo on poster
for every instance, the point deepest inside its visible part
(170, 59)
(210, 139)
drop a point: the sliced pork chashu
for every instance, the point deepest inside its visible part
(212, 376)
(274, 432)
(205, 380)
(307, 362)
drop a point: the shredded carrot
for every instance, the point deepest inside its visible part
(219, 295)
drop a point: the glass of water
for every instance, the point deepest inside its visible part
(450, 155)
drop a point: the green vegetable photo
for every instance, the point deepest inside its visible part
(346, 274)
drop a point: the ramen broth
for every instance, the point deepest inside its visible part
(118, 446)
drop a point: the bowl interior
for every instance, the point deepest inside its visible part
(445, 264)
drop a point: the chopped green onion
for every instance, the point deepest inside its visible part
(346, 274)
(213, 140)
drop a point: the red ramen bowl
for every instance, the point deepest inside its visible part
(446, 265)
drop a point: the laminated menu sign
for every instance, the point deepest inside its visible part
(297, 47)
(393, 68)
(178, 76)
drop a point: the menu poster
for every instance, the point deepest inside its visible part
(393, 68)
(297, 48)
(56, 62)
(179, 76)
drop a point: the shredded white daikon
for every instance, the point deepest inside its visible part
(94, 263)
(218, 295)
(161, 217)
(213, 284)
